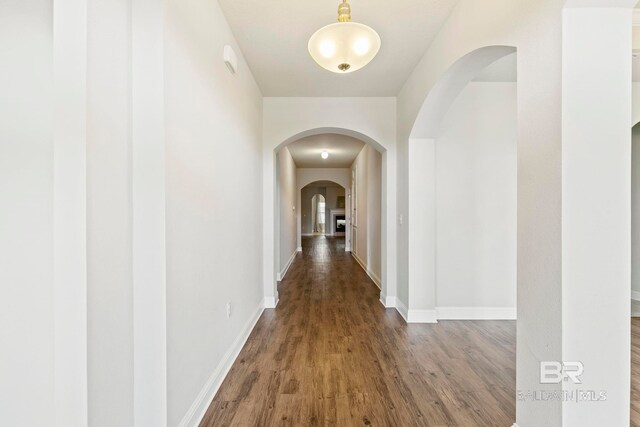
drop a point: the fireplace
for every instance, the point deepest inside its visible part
(338, 224)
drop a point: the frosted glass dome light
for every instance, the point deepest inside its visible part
(324, 155)
(345, 46)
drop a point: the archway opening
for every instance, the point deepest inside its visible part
(317, 215)
(321, 172)
(463, 205)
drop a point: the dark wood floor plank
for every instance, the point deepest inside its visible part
(331, 355)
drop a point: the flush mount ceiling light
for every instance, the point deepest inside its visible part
(324, 155)
(345, 46)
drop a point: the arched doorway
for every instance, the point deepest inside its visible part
(463, 200)
(317, 215)
(273, 145)
(325, 205)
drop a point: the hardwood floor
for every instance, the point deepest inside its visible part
(331, 354)
(635, 372)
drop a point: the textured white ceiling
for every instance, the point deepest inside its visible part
(342, 150)
(273, 36)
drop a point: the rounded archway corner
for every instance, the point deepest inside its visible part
(336, 130)
(322, 180)
(447, 88)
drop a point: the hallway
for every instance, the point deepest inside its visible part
(330, 354)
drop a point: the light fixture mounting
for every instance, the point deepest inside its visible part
(345, 46)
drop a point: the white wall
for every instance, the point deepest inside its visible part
(214, 201)
(287, 190)
(367, 244)
(554, 260)
(476, 200)
(635, 212)
(535, 29)
(26, 214)
(109, 209)
(596, 207)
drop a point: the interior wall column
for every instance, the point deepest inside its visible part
(388, 222)
(596, 231)
(269, 217)
(422, 231)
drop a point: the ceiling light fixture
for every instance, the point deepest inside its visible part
(345, 46)
(324, 155)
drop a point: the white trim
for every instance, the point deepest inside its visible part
(635, 295)
(422, 316)
(402, 309)
(416, 316)
(196, 412)
(366, 269)
(636, 18)
(387, 301)
(299, 249)
(514, 425)
(271, 302)
(476, 313)
(286, 267)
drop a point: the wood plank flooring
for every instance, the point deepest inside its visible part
(635, 372)
(331, 354)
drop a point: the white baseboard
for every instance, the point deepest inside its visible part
(422, 316)
(196, 412)
(387, 301)
(416, 316)
(402, 309)
(370, 273)
(299, 249)
(476, 313)
(635, 295)
(287, 265)
(271, 302)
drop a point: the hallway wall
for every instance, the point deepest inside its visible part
(367, 248)
(288, 241)
(109, 215)
(214, 200)
(476, 200)
(26, 214)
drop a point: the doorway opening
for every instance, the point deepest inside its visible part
(328, 170)
(318, 219)
(462, 229)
